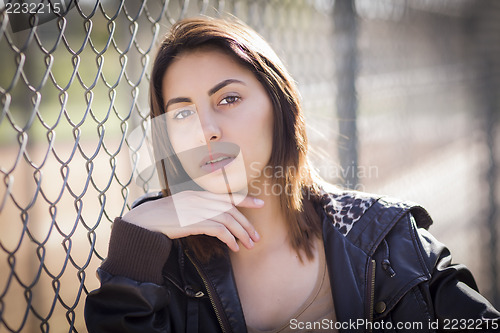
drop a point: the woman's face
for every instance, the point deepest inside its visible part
(219, 120)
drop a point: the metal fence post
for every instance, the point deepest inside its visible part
(345, 25)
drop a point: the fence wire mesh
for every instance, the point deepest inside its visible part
(73, 88)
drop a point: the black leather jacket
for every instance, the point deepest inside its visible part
(387, 274)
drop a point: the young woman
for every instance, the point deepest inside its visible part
(244, 237)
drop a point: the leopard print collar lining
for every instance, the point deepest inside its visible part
(346, 208)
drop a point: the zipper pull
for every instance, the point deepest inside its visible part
(386, 265)
(191, 293)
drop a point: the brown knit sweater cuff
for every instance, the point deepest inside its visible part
(136, 253)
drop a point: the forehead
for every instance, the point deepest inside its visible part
(202, 68)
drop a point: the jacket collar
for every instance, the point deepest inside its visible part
(351, 252)
(347, 269)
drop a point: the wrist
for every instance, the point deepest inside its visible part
(137, 253)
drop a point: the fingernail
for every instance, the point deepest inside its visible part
(258, 201)
(251, 242)
(257, 236)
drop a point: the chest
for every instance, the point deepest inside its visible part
(273, 289)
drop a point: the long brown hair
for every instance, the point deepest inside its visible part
(289, 149)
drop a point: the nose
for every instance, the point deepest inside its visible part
(210, 127)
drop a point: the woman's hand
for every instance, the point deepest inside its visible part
(195, 213)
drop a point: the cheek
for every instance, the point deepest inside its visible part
(177, 143)
(258, 141)
(174, 141)
(182, 145)
(265, 128)
(186, 135)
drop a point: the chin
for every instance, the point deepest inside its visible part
(216, 183)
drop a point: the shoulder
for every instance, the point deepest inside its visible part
(347, 209)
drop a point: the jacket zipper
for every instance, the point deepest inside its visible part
(210, 292)
(371, 292)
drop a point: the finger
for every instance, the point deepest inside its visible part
(231, 218)
(245, 223)
(235, 228)
(220, 231)
(250, 202)
(239, 199)
(202, 204)
(210, 227)
(224, 207)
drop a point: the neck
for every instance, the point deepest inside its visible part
(269, 221)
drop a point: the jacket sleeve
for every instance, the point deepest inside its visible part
(132, 297)
(457, 303)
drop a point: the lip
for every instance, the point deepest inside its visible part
(223, 160)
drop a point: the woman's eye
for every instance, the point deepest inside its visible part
(229, 100)
(183, 114)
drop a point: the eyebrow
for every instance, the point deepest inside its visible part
(212, 91)
(222, 84)
(177, 100)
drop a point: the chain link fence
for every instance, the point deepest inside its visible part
(73, 88)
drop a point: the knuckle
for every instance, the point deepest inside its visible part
(233, 211)
(227, 218)
(220, 229)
